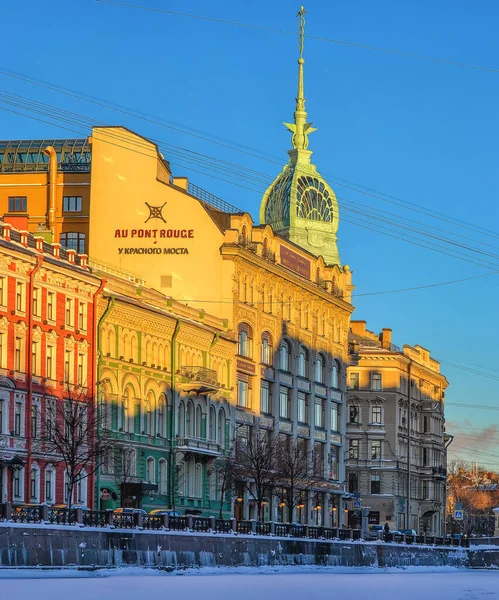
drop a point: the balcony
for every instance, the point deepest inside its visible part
(198, 379)
(198, 445)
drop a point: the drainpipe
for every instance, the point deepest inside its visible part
(52, 154)
(97, 359)
(29, 375)
(172, 417)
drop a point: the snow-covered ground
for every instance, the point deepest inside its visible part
(249, 583)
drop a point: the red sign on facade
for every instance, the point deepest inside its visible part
(295, 262)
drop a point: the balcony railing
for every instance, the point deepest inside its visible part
(245, 242)
(198, 445)
(200, 379)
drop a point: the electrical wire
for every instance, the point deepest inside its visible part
(311, 37)
(393, 200)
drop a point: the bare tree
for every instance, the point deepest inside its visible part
(255, 464)
(293, 478)
(124, 463)
(223, 470)
(71, 427)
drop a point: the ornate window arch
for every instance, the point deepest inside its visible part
(313, 200)
(303, 360)
(320, 366)
(284, 356)
(245, 340)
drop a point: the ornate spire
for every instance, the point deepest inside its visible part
(300, 128)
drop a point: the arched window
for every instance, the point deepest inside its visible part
(181, 419)
(150, 474)
(319, 369)
(161, 355)
(266, 357)
(284, 356)
(198, 482)
(149, 414)
(213, 424)
(245, 340)
(189, 419)
(163, 477)
(34, 484)
(335, 375)
(303, 362)
(82, 488)
(50, 485)
(134, 348)
(154, 353)
(148, 353)
(199, 420)
(221, 428)
(161, 428)
(129, 410)
(129, 463)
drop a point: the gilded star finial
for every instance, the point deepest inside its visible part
(300, 128)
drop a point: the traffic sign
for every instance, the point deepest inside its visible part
(458, 515)
(357, 504)
(105, 495)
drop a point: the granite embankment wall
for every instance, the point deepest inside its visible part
(43, 546)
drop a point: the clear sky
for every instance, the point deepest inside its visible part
(421, 131)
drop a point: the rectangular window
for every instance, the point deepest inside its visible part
(3, 291)
(71, 203)
(376, 415)
(69, 312)
(17, 484)
(375, 484)
(50, 306)
(18, 409)
(319, 412)
(50, 418)
(376, 382)
(334, 417)
(18, 354)
(82, 316)
(353, 449)
(18, 203)
(353, 414)
(353, 483)
(376, 450)
(302, 407)
(81, 370)
(34, 421)
(73, 241)
(34, 357)
(425, 424)
(333, 463)
(48, 486)
(49, 373)
(284, 403)
(68, 372)
(319, 459)
(36, 302)
(265, 398)
(425, 457)
(425, 489)
(243, 394)
(354, 381)
(20, 296)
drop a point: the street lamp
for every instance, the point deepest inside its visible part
(300, 508)
(281, 506)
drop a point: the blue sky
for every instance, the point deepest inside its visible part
(421, 131)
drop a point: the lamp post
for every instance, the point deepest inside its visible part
(333, 514)
(281, 506)
(346, 516)
(300, 508)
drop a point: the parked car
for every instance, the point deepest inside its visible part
(82, 506)
(374, 531)
(404, 532)
(159, 512)
(130, 511)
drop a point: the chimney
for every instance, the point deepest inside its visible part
(24, 238)
(57, 249)
(71, 255)
(386, 338)
(83, 260)
(181, 182)
(39, 244)
(358, 328)
(6, 228)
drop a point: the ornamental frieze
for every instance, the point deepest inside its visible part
(20, 329)
(4, 325)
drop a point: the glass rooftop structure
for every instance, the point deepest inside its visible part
(27, 155)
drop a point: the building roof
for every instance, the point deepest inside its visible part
(28, 155)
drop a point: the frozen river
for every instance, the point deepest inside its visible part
(252, 585)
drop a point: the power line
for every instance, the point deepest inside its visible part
(254, 153)
(311, 37)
